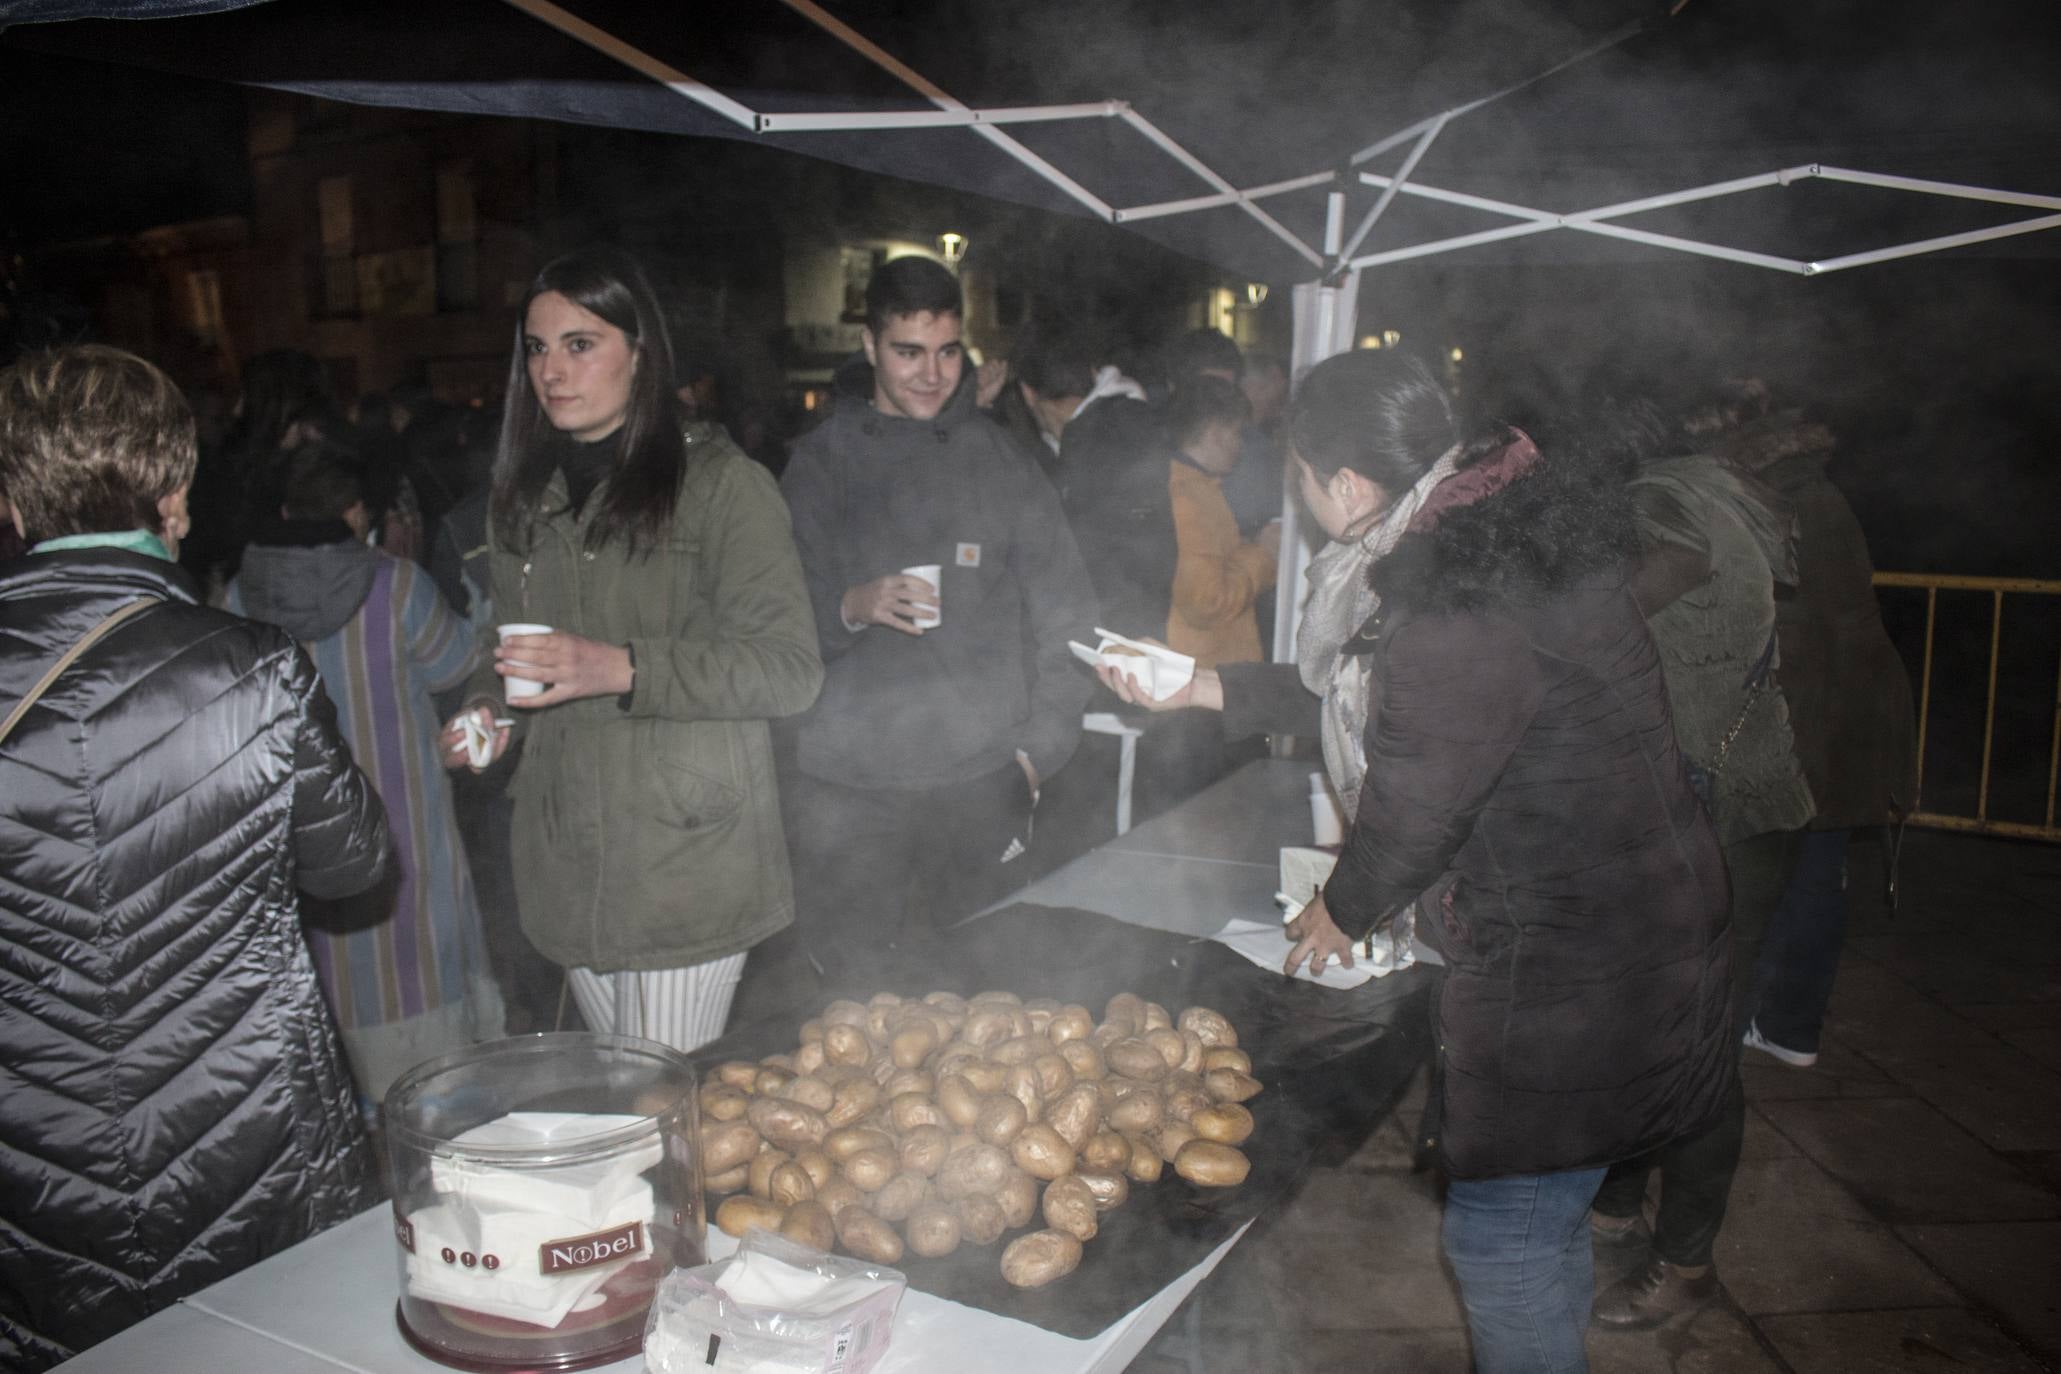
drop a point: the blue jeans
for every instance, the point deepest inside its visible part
(1520, 1246)
(1800, 957)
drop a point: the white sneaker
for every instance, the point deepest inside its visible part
(1795, 1059)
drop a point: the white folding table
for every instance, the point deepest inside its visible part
(327, 1304)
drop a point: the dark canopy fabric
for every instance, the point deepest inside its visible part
(1260, 93)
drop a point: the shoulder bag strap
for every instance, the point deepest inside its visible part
(71, 656)
(1756, 681)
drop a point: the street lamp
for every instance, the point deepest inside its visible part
(951, 247)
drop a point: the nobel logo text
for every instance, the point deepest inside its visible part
(583, 1252)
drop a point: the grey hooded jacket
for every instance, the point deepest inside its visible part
(872, 494)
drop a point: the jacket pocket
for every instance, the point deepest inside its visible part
(696, 797)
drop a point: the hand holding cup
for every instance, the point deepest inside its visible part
(540, 666)
(932, 575)
(899, 601)
(519, 679)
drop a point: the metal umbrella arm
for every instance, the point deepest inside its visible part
(1600, 221)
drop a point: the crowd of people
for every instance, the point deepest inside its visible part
(438, 733)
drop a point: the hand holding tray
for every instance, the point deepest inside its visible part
(1156, 669)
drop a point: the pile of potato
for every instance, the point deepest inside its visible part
(958, 1119)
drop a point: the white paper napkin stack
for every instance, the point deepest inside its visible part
(511, 1213)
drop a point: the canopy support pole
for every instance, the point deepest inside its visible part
(1326, 314)
(1388, 192)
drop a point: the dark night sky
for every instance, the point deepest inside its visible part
(1961, 92)
(1914, 361)
(87, 148)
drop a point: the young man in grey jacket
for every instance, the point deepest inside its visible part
(944, 707)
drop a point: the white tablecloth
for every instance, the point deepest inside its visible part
(328, 1305)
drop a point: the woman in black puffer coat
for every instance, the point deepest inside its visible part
(173, 1102)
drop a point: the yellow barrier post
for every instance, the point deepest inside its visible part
(1997, 588)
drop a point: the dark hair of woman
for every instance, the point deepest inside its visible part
(279, 389)
(651, 453)
(1566, 519)
(1376, 411)
(323, 480)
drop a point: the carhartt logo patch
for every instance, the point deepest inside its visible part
(967, 556)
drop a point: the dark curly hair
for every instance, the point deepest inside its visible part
(1567, 520)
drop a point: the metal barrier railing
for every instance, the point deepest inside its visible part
(1997, 588)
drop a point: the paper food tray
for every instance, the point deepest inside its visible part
(1159, 671)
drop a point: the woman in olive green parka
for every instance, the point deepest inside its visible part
(647, 843)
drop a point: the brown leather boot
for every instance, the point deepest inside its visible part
(1652, 1294)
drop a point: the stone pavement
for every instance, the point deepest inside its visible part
(1898, 1207)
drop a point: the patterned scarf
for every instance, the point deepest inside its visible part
(1341, 600)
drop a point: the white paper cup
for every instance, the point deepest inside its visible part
(1327, 819)
(933, 573)
(517, 688)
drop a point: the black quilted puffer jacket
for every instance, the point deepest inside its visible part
(173, 1100)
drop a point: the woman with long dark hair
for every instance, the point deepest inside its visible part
(646, 836)
(1493, 713)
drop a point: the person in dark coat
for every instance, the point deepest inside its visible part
(174, 1104)
(1109, 460)
(1523, 799)
(918, 772)
(1850, 705)
(1716, 552)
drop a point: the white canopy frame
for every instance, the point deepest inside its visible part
(1338, 253)
(949, 112)
(1325, 306)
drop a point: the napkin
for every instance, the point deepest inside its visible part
(1264, 944)
(515, 1287)
(777, 1307)
(1303, 870)
(506, 1216)
(761, 1280)
(588, 1190)
(479, 739)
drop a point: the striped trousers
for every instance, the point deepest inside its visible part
(684, 1008)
